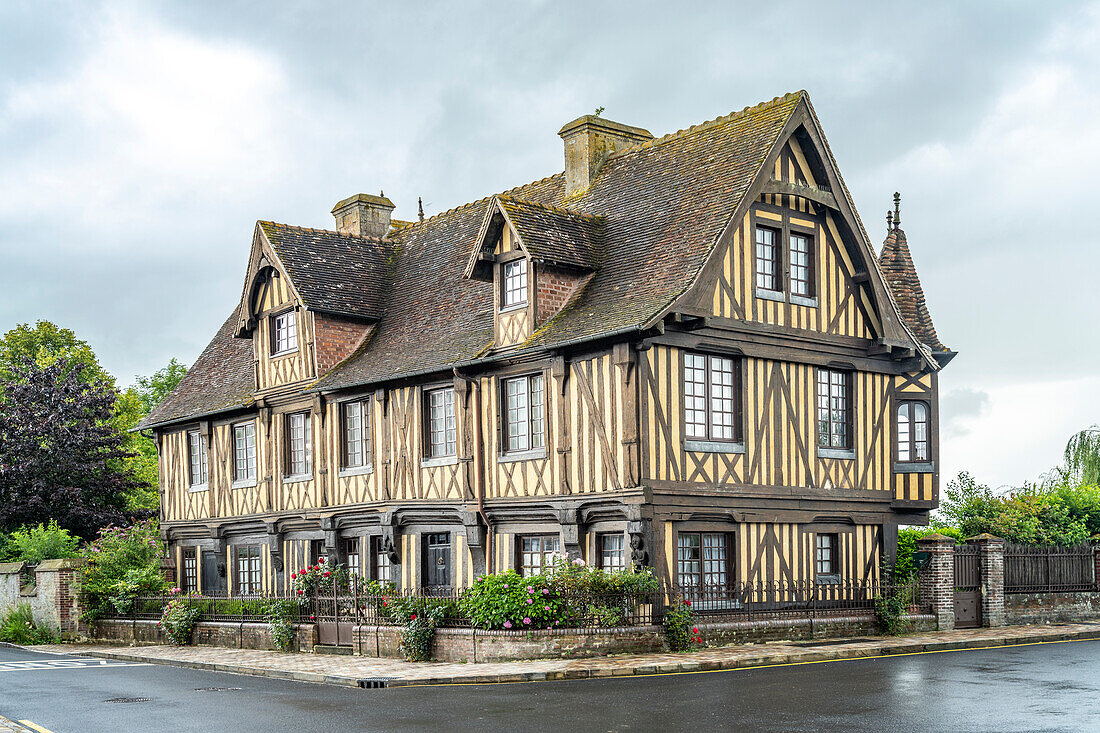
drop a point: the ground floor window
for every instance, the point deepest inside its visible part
(380, 560)
(248, 570)
(189, 573)
(535, 552)
(827, 554)
(703, 560)
(612, 552)
(351, 551)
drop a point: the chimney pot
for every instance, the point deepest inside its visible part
(589, 141)
(363, 215)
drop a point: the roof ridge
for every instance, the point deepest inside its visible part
(349, 235)
(481, 201)
(594, 218)
(706, 124)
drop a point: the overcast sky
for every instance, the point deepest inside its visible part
(140, 142)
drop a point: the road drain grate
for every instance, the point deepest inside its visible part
(130, 699)
(216, 689)
(373, 683)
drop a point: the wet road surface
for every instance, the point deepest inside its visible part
(1054, 686)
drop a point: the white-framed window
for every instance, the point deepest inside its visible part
(703, 560)
(712, 400)
(767, 259)
(612, 548)
(440, 419)
(299, 448)
(248, 570)
(802, 271)
(536, 553)
(380, 560)
(284, 333)
(244, 451)
(524, 413)
(913, 432)
(196, 453)
(355, 425)
(834, 413)
(515, 283)
(827, 553)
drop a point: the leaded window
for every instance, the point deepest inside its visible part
(196, 453)
(515, 283)
(248, 570)
(827, 546)
(441, 440)
(524, 413)
(299, 449)
(351, 551)
(536, 553)
(767, 259)
(834, 409)
(712, 409)
(284, 332)
(612, 552)
(913, 431)
(703, 560)
(802, 265)
(355, 424)
(244, 452)
(380, 560)
(189, 573)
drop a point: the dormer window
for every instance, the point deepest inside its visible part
(515, 284)
(284, 333)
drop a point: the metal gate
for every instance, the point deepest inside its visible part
(968, 587)
(335, 616)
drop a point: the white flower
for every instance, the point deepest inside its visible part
(578, 561)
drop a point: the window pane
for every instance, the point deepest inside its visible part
(515, 282)
(441, 422)
(538, 438)
(354, 453)
(695, 396)
(721, 398)
(714, 563)
(612, 556)
(515, 391)
(800, 265)
(688, 559)
(832, 409)
(767, 262)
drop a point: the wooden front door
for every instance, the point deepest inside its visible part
(437, 561)
(968, 587)
(213, 583)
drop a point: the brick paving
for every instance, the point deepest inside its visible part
(349, 670)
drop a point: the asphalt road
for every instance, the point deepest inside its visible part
(1036, 687)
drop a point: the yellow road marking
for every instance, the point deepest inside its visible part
(35, 726)
(761, 666)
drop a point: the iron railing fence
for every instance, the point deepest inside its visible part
(1035, 569)
(734, 602)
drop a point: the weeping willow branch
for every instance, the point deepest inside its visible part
(1082, 456)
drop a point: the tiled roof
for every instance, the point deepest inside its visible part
(897, 267)
(221, 378)
(334, 273)
(556, 236)
(662, 205)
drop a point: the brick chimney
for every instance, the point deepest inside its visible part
(363, 215)
(589, 141)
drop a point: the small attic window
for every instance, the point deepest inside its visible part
(514, 284)
(284, 333)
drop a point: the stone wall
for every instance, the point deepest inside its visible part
(801, 629)
(207, 633)
(1046, 608)
(53, 598)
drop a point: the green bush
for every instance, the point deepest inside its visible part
(19, 627)
(120, 565)
(178, 621)
(419, 632)
(892, 609)
(681, 633)
(510, 601)
(280, 614)
(34, 544)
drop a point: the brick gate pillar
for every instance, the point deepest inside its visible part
(937, 579)
(991, 560)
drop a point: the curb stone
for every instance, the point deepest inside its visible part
(687, 665)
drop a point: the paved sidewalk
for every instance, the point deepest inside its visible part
(355, 671)
(10, 726)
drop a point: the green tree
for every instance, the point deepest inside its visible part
(1082, 457)
(45, 344)
(152, 389)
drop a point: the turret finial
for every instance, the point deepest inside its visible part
(897, 209)
(420, 207)
(889, 221)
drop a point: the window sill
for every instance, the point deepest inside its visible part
(846, 453)
(196, 488)
(278, 354)
(513, 308)
(357, 471)
(245, 484)
(771, 295)
(713, 446)
(914, 467)
(440, 461)
(527, 455)
(297, 479)
(803, 300)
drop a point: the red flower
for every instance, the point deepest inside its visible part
(694, 630)
(687, 603)
(327, 573)
(293, 576)
(413, 617)
(321, 560)
(299, 592)
(383, 603)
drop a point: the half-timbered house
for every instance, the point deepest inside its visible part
(682, 351)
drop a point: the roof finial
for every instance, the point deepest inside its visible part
(889, 221)
(897, 210)
(420, 207)
(381, 193)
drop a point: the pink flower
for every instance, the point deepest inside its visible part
(506, 586)
(578, 561)
(547, 608)
(526, 619)
(529, 601)
(507, 624)
(546, 591)
(530, 589)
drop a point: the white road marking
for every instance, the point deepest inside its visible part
(36, 665)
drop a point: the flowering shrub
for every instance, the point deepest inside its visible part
(307, 581)
(279, 614)
(680, 629)
(416, 639)
(19, 627)
(179, 619)
(121, 564)
(508, 600)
